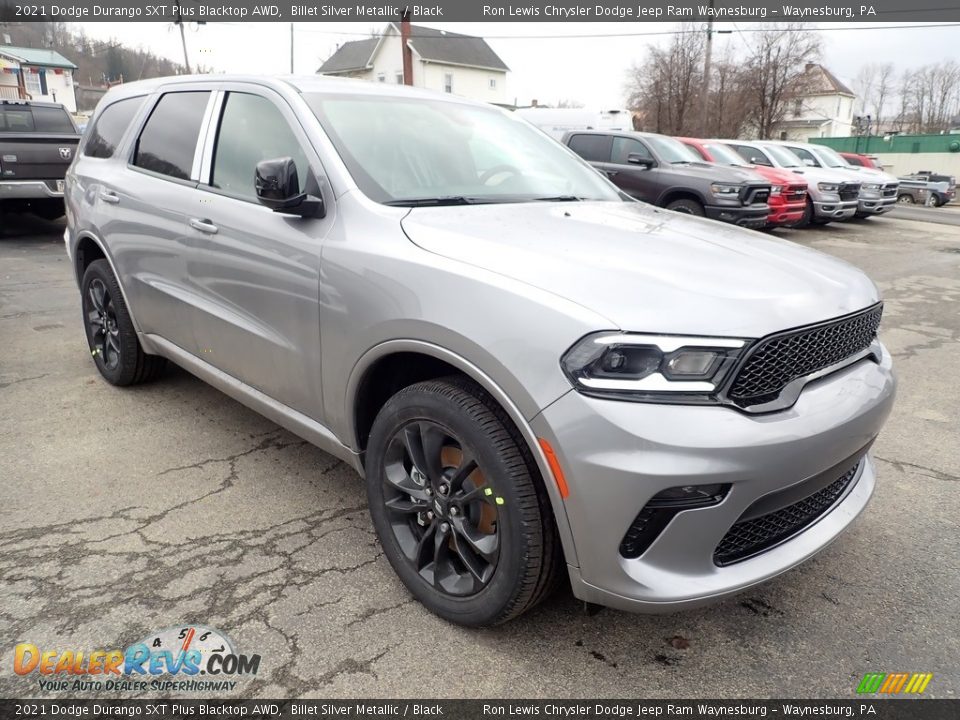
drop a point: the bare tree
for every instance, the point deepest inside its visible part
(727, 110)
(664, 87)
(864, 85)
(775, 71)
(882, 93)
(568, 103)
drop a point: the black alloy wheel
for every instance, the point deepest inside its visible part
(442, 513)
(102, 328)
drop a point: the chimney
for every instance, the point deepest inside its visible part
(533, 103)
(407, 52)
(810, 66)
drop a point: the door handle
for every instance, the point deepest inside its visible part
(611, 173)
(109, 196)
(204, 226)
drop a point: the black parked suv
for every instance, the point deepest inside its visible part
(37, 144)
(663, 171)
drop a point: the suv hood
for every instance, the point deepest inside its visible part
(819, 174)
(648, 270)
(873, 175)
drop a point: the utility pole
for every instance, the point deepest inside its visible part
(707, 60)
(291, 48)
(183, 38)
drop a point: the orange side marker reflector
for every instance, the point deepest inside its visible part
(555, 468)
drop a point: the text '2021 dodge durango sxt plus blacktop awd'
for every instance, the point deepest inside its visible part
(535, 373)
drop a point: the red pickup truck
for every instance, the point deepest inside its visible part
(786, 204)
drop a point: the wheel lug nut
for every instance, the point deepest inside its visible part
(429, 491)
(429, 514)
(444, 527)
(454, 512)
(444, 489)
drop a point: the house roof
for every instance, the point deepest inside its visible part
(353, 55)
(37, 56)
(824, 82)
(439, 46)
(443, 46)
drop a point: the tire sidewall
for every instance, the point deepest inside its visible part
(689, 207)
(486, 606)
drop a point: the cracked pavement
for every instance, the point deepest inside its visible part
(126, 511)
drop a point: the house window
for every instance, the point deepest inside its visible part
(783, 135)
(31, 81)
(797, 107)
(399, 78)
(448, 82)
(493, 83)
(381, 77)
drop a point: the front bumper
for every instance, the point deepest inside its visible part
(30, 189)
(876, 206)
(835, 210)
(786, 213)
(618, 455)
(749, 216)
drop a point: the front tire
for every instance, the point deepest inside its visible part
(457, 507)
(111, 336)
(686, 207)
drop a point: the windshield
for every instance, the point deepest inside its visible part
(831, 158)
(724, 155)
(400, 150)
(670, 150)
(784, 157)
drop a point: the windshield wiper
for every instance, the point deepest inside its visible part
(432, 201)
(559, 198)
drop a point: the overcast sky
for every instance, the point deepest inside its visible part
(590, 70)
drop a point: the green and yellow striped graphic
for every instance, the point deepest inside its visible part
(894, 683)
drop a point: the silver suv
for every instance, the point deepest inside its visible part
(536, 375)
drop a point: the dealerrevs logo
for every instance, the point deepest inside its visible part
(169, 660)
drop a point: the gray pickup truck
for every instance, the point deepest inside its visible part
(662, 171)
(37, 143)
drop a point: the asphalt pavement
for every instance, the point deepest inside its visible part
(126, 511)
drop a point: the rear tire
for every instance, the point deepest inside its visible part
(471, 534)
(905, 199)
(686, 207)
(111, 336)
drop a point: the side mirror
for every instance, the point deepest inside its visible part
(278, 187)
(809, 163)
(638, 159)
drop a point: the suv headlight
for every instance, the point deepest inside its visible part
(776, 189)
(828, 187)
(870, 186)
(651, 368)
(725, 189)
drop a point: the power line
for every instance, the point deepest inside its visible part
(414, 36)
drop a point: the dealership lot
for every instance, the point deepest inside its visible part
(127, 511)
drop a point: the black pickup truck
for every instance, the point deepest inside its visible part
(37, 143)
(663, 171)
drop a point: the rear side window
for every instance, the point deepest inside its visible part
(853, 160)
(52, 120)
(252, 129)
(16, 119)
(623, 148)
(169, 139)
(109, 128)
(595, 148)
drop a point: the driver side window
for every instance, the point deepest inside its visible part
(806, 156)
(623, 148)
(752, 155)
(251, 129)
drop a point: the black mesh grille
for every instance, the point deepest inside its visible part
(751, 537)
(781, 359)
(849, 191)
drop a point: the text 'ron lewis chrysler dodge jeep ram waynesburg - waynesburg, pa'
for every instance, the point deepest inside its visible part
(536, 374)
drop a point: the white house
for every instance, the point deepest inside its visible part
(822, 108)
(440, 60)
(36, 74)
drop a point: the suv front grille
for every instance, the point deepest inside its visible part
(779, 360)
(796, 192)
(890, 190)
(849, 191)
(752, 537)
